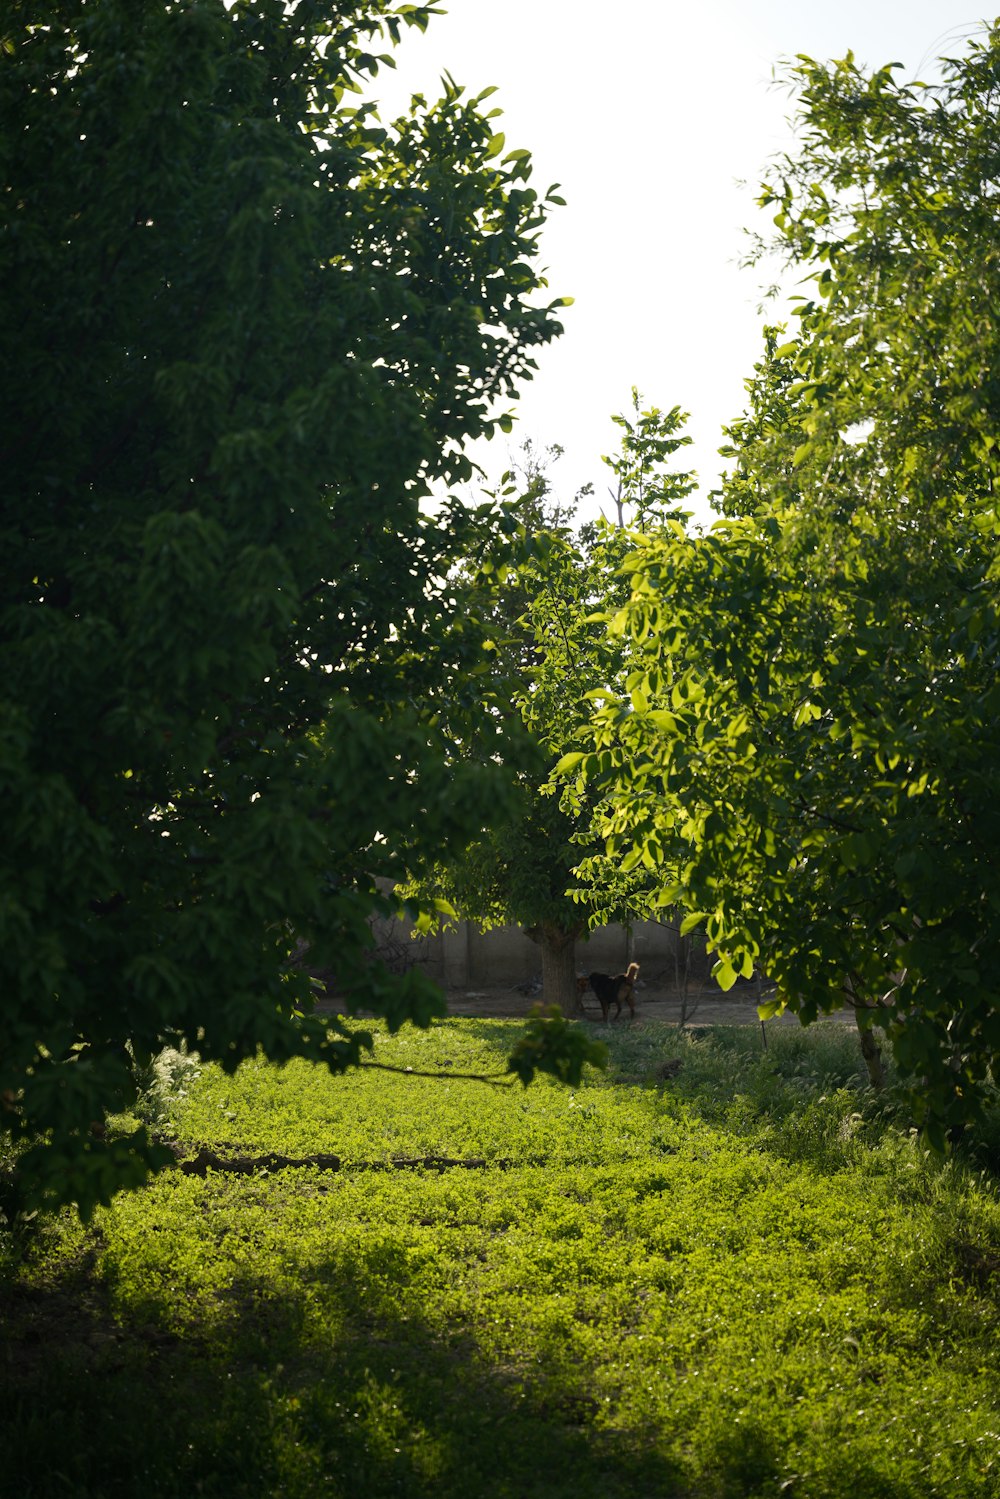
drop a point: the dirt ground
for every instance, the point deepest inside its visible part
(712, 1007)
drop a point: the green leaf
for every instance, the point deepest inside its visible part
(769, 1008)
(567, 763)
(724, 974)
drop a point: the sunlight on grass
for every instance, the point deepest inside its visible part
(741, 1278)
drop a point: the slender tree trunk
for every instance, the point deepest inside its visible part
(870, 1049)
(872, 1053)
(558, 967)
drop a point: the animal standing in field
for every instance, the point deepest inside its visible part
(615, 990)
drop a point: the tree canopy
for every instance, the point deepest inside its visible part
(552, 656)
(807, 752)
(246, 326)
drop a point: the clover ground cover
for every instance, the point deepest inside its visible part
(738, 1280)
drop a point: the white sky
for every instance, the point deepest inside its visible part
(650, 114)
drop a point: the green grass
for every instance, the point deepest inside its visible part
(744, 1280)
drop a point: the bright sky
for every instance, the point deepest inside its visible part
(651, 113)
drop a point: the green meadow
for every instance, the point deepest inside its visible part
(711, 1271)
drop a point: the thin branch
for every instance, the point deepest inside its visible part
(493, 1079)
(835, 822)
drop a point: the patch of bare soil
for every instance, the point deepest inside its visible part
(711, 1007)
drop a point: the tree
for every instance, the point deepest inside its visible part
(246, 326)
(553, 657)
(810, 747)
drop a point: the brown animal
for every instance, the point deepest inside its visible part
(615, 990)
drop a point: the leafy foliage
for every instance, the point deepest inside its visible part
(647, 490)
(808, 749)
(551, 1045)
(246, 325)
(553, 656)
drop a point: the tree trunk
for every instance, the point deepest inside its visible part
(872, 1053)
(558, 968)
(870, 1049)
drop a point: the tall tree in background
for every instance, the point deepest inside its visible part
(245, 326)
(811, 745)
(553, 656)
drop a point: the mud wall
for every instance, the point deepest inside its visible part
(465, 958)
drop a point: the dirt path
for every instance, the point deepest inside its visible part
(734, 1008)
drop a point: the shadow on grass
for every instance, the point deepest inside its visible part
(262, 1403)
(804, 1097)
(626, 1040)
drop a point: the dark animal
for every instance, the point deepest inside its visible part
(615, 990)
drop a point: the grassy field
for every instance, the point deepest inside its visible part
(744, 1278)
